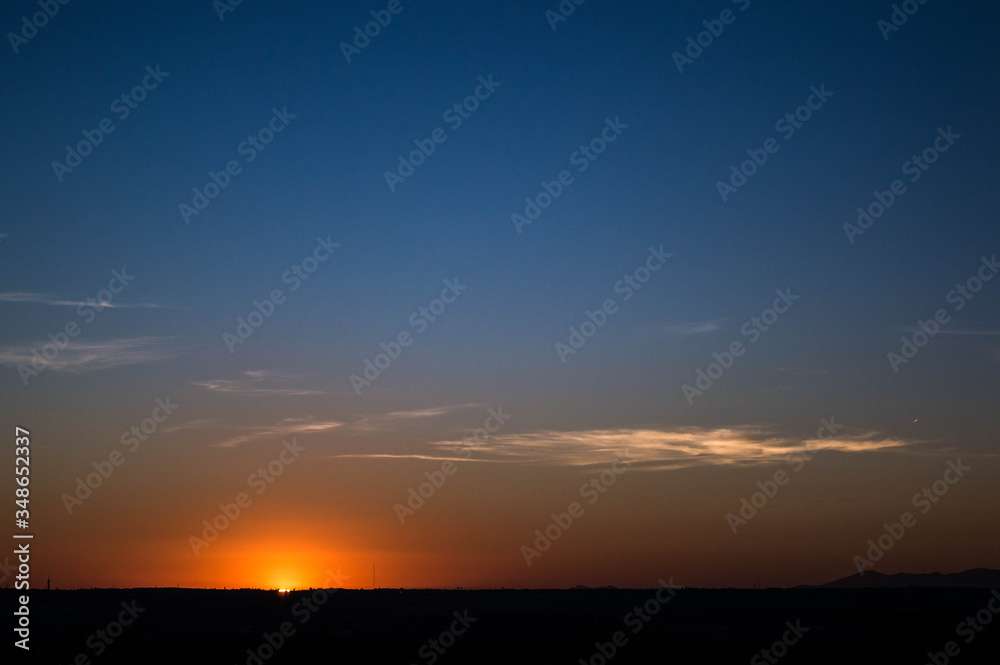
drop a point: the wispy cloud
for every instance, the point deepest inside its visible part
(394, 418)
(284, 428)
(88, 355)
(257, 383)
(433, 412)
(266, 374)
(287, 427)
(233, 435)
(650, 449)
(43, 299)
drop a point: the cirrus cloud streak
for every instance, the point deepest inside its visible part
(651, 449)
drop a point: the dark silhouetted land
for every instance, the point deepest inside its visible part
(512, 626)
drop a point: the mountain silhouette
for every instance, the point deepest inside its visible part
(985, 578)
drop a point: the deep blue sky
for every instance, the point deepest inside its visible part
(656, 185)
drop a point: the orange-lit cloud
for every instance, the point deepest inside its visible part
(650, 448)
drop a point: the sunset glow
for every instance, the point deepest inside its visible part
(484, 298)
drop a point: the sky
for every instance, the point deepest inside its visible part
(574, 275)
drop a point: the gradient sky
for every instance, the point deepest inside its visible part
(495, 346)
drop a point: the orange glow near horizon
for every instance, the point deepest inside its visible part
(276, 564)
(470, 533)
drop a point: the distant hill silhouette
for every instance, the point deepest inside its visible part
(984, 578)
